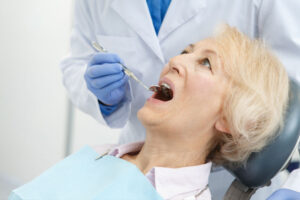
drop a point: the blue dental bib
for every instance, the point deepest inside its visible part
(80, 176)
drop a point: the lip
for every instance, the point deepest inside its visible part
(169, 82)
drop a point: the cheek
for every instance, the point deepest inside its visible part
(205, 92)
(201, 86)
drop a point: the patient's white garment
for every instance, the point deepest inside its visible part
(171, 183)
(293, 182)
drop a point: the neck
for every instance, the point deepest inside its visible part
(169, 152)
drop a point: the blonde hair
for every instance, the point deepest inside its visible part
(257, 97)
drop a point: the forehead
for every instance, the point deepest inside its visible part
(206, 44)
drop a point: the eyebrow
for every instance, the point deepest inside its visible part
(208, 51)
(191, 46)
(191, 49)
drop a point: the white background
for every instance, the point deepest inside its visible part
(34, 37)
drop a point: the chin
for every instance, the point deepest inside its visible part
(147, 116)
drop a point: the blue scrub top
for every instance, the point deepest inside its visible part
(158, 9)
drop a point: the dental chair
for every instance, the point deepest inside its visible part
(262, 166)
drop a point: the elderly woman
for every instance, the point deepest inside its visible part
(223, 98)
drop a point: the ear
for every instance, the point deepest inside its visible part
(222, 125)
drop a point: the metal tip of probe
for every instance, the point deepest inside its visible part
(154, 88)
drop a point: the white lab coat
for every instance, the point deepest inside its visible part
(125, 27)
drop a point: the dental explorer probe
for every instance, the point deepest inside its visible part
(154, 88)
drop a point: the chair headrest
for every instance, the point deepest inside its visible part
(263, 165)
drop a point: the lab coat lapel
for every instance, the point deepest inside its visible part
(136, 14)
(179, 12)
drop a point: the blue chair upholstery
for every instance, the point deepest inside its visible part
(262, 166)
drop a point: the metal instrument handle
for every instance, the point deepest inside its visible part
(99, 48)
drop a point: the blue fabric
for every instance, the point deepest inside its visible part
(80, 176)
(158, 9)
(285, 194)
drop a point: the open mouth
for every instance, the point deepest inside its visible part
(164, 92)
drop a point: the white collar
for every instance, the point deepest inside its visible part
(170, 182)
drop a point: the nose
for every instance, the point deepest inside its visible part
(176, 65)
(174, 68)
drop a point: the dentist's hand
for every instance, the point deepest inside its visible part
(285, 194)
(105, 78)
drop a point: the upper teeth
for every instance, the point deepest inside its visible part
(166, 85)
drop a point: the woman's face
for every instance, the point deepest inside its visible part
(198, 84)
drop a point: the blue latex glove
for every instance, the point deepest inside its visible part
(285, 194)
(106, 79)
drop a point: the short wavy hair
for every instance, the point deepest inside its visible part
(256, 101)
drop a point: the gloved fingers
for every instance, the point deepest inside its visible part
(115, 96)
(96, 71)
(117, 84)
(119, 92)
(101, 58)
(105, 94)
(104, 81)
